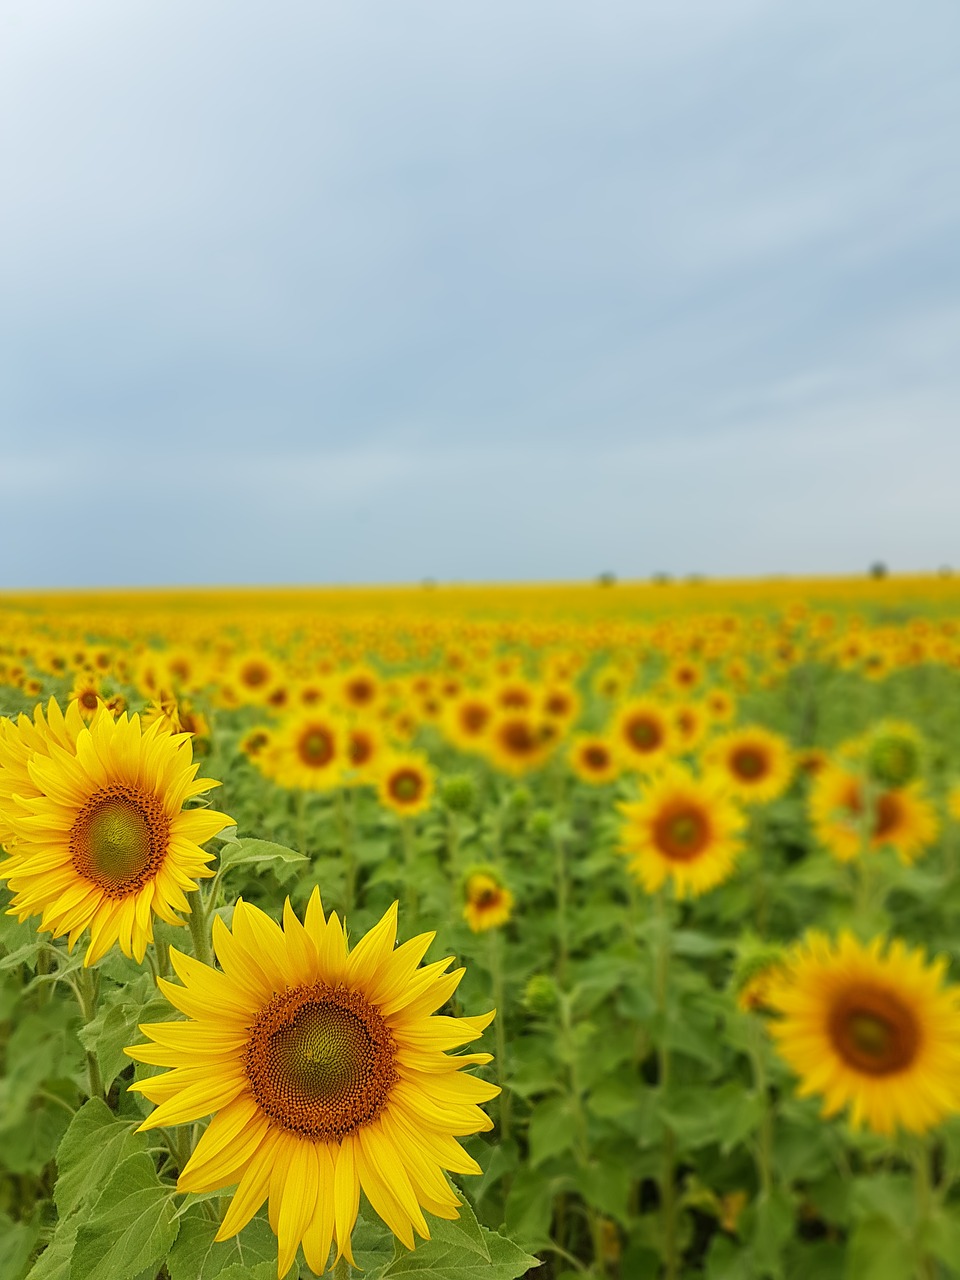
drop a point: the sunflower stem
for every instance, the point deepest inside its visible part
(410, 863)
(562, 888)
(926, 1267)
(199, 932)
(764, 1148)
(668, 1195)
(345, 831)
(301, 809)
(496, 972)
(87, 996)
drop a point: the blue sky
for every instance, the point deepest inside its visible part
(336, 292)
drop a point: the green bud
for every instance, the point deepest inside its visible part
(459, 793)
(893, 759)
(540, 822)
(541, 996)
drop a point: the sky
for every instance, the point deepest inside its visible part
(355, 291)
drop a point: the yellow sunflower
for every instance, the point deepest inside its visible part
(467, 718)
(86, 692)
(684, 829)
(104, 842)
(756, 763)
(326, 1072)
(878, 1032)
(308, 751)
(406, 783)
(900, 817)
(488, 901)
(594, 759)
(518, 741)
(23, 739)
(643, 733)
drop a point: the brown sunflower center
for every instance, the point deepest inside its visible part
(406, 786)
(644, 734)
(119, 839)
(89, 699)
(887, 816)
(596, 757)
(320, 1061)
(518, 739)
(361, 748)
(748, 763)
(255, 674)
(474, 717)
(873, 1031)
(360, 691)
(315, 747)
(681, 832)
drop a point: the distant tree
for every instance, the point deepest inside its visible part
(606, 579)
(878, 569)
(662, 579)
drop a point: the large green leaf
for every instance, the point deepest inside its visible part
(245, 853)
(130, 1228)
(94, 1144)
(460, 1250)
(197, 1256)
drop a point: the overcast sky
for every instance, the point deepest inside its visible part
(373, 291)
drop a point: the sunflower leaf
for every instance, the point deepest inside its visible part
(94, 1144)
(197, 1255)
(130, 1228)
(460, 1250)
(257, 853)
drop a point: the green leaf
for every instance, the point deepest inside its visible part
(115, 1027)
(197, 1256)
(701, 1114)
(244, 853)
(261, 1271)
(941, 1237)
(461, 1250)
(94, 1144)
(54, 1262)
(43, 1047)
(16, 1245)
(529, 1207)
(130, 1228)
(773, 1223)
(551, 1130)
(878, 1250)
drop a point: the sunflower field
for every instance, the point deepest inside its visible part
(600, 932)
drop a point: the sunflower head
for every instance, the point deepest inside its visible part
(406, 784)
(488, 903)
(872, 1028)
(102, 839)
(326, 1072)
(893, 755)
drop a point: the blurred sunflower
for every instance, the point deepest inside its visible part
(685, 830)
(518, 741)
(308, 752)
(756, 763)
(593, 759)
(86, 694)
(847, 816)
(406, 783)
(488, 902)
(643, 733)
(877, 1032)
(328, 1074)
(103, 842)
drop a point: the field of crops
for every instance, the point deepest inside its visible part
(464, 934)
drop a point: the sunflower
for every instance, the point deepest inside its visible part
(359, 688)
(406, 783)
(690, 722)
(643, 733)
(488, 903)
(326, 1074)
(756, 763)
(255, 741)
(518, 741)
(23, 739)
(876, 1030)
(253, 677)
(684, 829)
(104, 843)
(848, 816)
(86, 693)
(364, 746)
(684, 676)
(594, 759)
(466, 720)
(308, 752)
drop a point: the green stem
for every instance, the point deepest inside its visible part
(87, 993)
(496, 972)
(668, 1191)
(197, 919)
(345, 829)
(301, 805)
(926, 1268)
(764, 1148)
(410, 864)
(580, 1123)
(562, 893)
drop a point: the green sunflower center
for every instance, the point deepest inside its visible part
(893, 761)
(315, 748)
(119, 839)
(406, 786)
(874, 1032)
(320, 1061)
(748, 763)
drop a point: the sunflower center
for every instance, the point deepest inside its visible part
(887, 816)
(518, 738)
(361, 749)
(320, 1061)
(119, 839)
(406, 786)
(255, 674)
(473, 717)
(681, 833)
(315, 748)
(874, 1032)
(748, 763)
(644, 734)
(596, 758)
